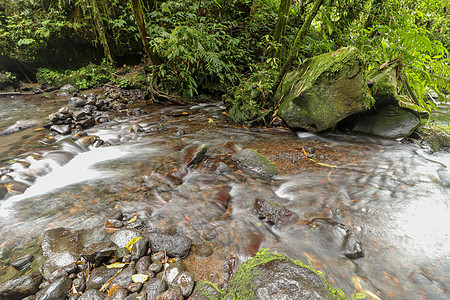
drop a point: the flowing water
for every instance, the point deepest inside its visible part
(394, 197)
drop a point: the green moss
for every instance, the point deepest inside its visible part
(246, 272)
(203, 287)
(437, 137)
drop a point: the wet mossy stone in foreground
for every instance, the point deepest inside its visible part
(272, 276)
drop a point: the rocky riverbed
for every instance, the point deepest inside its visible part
(217, 192)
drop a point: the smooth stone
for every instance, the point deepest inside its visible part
(143, 264)
(191, 155)
(271, 212)
(204, 290)
(124, 277)
(156, 267)
(99, 277)
(92, 294)
(94, 253)
(79, 284)
(139, 248)
(185, 282)
(20, 287)
(56, 290)
(173, 245)
(154, 287)
(23, 262)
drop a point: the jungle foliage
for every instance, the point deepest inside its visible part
(195, 47)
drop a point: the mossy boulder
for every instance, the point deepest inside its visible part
(383, 85)
(323, 91)
(273, 276)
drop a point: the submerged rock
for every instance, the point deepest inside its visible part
(272, 212)
(192, 155)
(323, 91)
(254, 161)
(174, 245)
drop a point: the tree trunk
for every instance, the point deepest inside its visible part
(296, 45)
(140, 23)
(101, 29)
(283, 14)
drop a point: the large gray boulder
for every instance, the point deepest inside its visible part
(323, 91)
(389, 122)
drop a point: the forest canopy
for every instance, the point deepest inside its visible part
(196, 47)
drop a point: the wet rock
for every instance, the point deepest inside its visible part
(86, 122)
(61, 129)
(124, 277)
(78, 101)
(136, 128)
(203, 249)
(191, 155)
(185, 282)
(99, 276)
(139, 249)
(271, 212)
(206, 291)
(3, 191)
(67, 90)
(79, 115)
(86, 141)
(180, 132)
(121, 252)
(58, 273)
(143, 264)
(56, 290)
(134, 287)
(20, 287)
(156, 267)
(154, 287)
(220, 168)
(119, 294)
(389, 122)
(174, 293)
(254, 161)
(23, 262)
(92, 294)
(340, 235)
(174, 245)
(158, 256)
(122, 237)
(17, 126)
(95, 253)
(171, 274)
(61, 247)
(270, 276)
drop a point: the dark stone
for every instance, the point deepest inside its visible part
(389, 122)
(95, 253)
(339, 235)
(58, 273)
(121, 252)
(174, 245)
(185, 282)
(87, 122)
(134, 287)
(171, 274)
(158, 256)
(154, 287)
(89, 109)
(78, 101)
(61, 129)
(272, 212)
(134, 296)
(254, 161)
(122, 237)
(79, 115)
(3, 191)
(174, 293)
(191, 155)
(23, 262)
(203, 249)
(20, 287)
(56, 290)
(93, 294)
(136, 128)
(99, 277)
(142, 265)
(124, 277)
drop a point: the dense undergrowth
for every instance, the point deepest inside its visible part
(212, 46)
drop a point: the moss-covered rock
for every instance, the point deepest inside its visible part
(254, 161)
(273, 276)
(323, 91)
(383, 86)
(435, 137)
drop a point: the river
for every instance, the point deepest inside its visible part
(394, 197)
